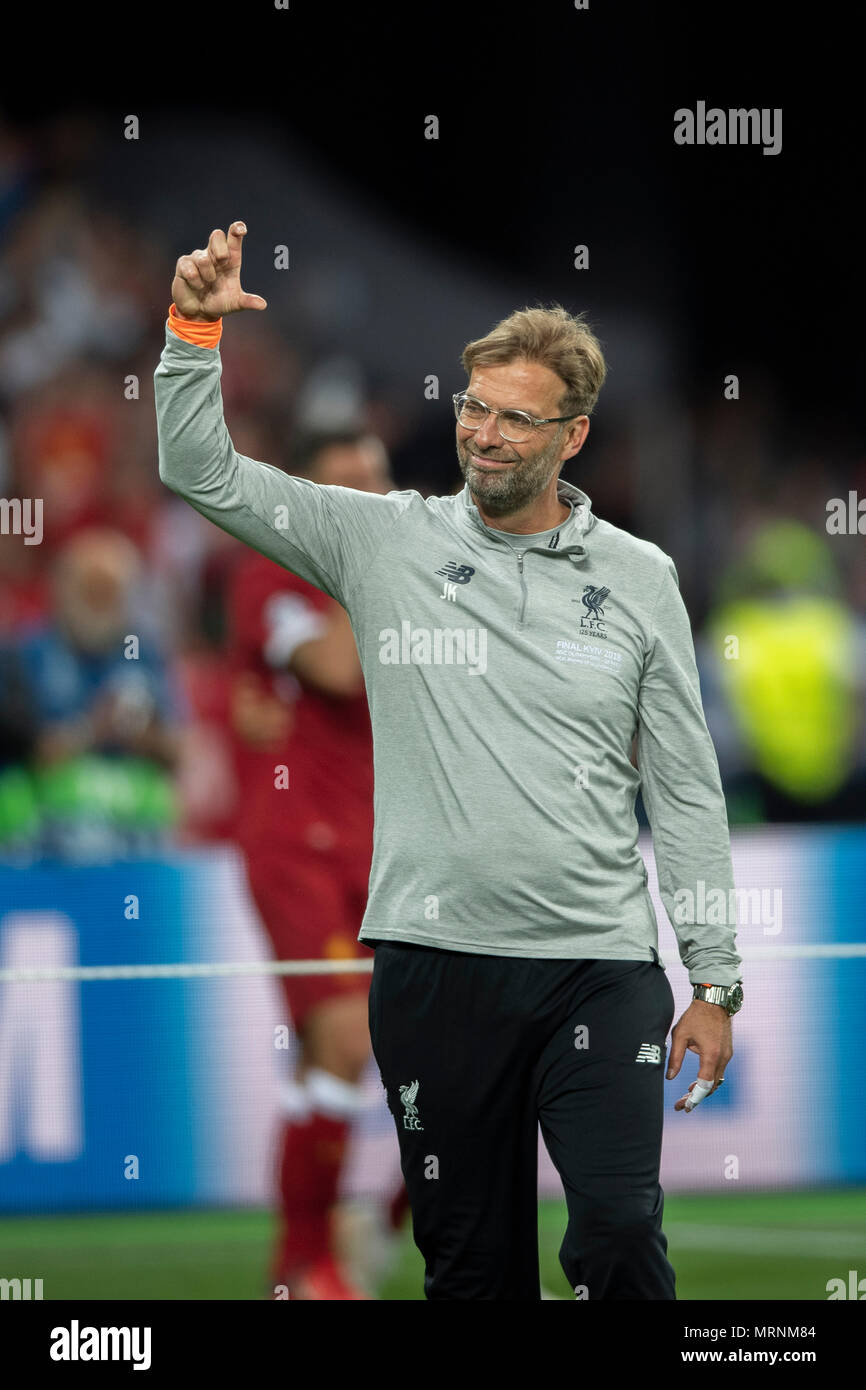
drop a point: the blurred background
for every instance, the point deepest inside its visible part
(119, 788)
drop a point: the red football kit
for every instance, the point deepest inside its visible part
(305, 805)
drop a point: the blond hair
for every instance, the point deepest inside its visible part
(561, 341)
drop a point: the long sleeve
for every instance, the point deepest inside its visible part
(325, 534)
(683, 796)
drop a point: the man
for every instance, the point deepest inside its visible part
(790, 721)
(106, 708)
(513, 646)
(298, 704)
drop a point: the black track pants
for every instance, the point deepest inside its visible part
(474, 1052)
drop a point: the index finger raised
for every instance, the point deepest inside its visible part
(237, 232)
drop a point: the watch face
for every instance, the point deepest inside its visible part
(735, 998)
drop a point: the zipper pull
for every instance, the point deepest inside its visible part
(520, 560)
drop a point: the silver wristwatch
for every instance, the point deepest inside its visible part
(729, 996)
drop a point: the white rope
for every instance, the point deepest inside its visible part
(833, 950)
(187, 971)
(209, 970)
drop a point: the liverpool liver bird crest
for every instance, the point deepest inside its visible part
(407, 1096)
(593, 598)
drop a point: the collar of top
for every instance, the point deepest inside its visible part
(572, 530)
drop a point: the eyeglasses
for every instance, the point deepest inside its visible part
(514, 425)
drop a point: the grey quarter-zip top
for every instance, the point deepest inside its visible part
(506, 683)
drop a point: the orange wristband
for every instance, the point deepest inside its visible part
(203, 333)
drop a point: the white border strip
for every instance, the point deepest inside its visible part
(188, 971)
(216, 969)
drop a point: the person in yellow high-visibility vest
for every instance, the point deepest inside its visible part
(784, 647)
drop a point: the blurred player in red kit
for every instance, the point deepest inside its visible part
(305, 827)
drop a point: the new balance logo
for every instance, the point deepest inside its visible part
(453, 575)
(407, 1096)
(649, 1052)
(459, 574)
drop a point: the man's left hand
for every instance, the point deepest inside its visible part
(705, 1029)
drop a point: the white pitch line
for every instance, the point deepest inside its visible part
(765, 1240)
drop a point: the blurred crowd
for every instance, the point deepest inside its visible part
(115, 692)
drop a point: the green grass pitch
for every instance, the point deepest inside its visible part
(752, 1246)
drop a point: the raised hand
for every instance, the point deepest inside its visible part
(207, 284)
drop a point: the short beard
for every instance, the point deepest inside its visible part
(502, 494)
